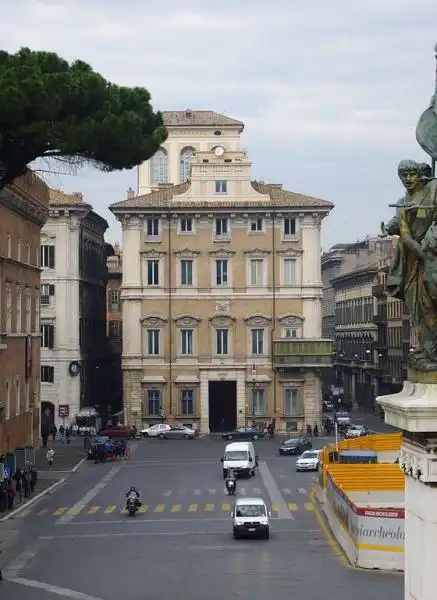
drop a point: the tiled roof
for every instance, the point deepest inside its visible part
(163, 197)
(60, 198)
(184, 118)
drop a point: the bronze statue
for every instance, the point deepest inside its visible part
(413, 272)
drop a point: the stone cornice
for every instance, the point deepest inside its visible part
(18, 203)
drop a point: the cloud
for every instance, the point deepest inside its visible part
(330, 91)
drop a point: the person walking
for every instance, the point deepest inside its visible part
(50, 456)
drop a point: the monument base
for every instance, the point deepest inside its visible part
(414, 410)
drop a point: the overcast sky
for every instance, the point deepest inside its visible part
(330, 91)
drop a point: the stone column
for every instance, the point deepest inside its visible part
(414, 410)
(204, 402)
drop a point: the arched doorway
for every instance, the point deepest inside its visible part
(47, 417)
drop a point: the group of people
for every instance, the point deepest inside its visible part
(110, 449)
(20, 483)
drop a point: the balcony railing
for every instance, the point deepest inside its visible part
(378, 290)
(379, 319)
(303, 353)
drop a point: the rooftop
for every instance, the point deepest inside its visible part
(60, 198)
(202, 118)
(163, 198)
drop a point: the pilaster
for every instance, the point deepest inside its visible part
(204, 402)
(310, 234)
(241, 398)
(132, 228)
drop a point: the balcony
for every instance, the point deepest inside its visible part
(378, 290)
(303, 353)
(379, 319)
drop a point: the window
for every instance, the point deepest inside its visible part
(186, 226)
(28, 253)
(186, 272)
(17, 397)
(290, 333)
(115, 329)
(153, 342)
(221, 186)
(186, 155)
(221, 229)
(256, 224)
(292, 402)
(187, 341)
(259, 408)
(221, 271)
(28, 309)
(256, 272)
(153, 272)
(153, 402)
(257, 342)
(222, 341)
(19, 247)
(47, 258)
(37, 312)
(289, 271)
(47, 335)
(187, 402)
(8, 290)
(152, 229)
(290, 227)
(159, 167)
(47, 374)
(19, 309)
(9, 245)
(47, 291)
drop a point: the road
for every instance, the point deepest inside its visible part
(78, 544)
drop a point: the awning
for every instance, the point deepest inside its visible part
(259, 379)
(153, 379)
(187, 379)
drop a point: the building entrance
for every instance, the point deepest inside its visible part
(222, 400)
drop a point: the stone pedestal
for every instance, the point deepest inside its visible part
(414, 410)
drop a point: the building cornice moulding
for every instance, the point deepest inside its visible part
(290, 319)
(221, 252)
(152, 252)
(258, 252)
(154, 321)
(257, 319)
(187, 320)
(31, 211)
(221, 319)
(186, 252)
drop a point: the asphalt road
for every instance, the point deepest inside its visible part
(77, 543)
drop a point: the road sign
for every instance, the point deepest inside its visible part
(64, 410)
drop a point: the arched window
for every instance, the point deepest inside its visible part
(186, 154)
(159, 167)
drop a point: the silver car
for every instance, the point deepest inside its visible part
(178, 433)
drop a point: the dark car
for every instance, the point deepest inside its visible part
(243, 433)
(178, 433)
(327, 405)
(92, 443)
(120, 431)
(294, 446)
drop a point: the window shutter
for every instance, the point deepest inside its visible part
(51, 257)
(51, 289)
(51, 336)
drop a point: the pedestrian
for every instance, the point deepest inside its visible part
(50, 456)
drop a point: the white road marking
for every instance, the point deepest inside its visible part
(178, 533)
(281, 476)
(212, 491)
(241, 491)
(301, 490)
(24, 559)
(47, 587)
(197, 492)
(167, 493)
(275, 495)
(286, 491)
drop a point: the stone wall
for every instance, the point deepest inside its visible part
(19, 431)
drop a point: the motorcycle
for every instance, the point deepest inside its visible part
(132, 506)
(230, 487)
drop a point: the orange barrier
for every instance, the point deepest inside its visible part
(377, 477)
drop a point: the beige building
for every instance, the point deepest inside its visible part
(221, 289)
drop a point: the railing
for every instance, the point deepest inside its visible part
(303, 352)
(378, 290)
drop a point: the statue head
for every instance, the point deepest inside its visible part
(412, 175)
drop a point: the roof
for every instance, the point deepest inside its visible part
(356, 274)
(246, 500)
(162, 198)
(204, 118)
(60, 198)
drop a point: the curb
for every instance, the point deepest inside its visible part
(16, 511)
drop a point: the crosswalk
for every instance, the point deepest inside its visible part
(160, 509)
(251, 491)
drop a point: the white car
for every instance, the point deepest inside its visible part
(155, 430)
(250, 518)
(356, 431)
(308, 461)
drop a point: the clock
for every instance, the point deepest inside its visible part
(219, 151)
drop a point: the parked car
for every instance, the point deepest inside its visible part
(243, 433)
(355, 431)
(154, 430)
(327, 406)
(308, 461)
(120, 431)
(178, 433)
(342, 419)
(294, 446)
(250, 518)
(91, 444)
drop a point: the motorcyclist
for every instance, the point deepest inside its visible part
(231, 477)
(133, 493)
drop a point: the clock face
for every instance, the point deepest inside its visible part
(219, 151)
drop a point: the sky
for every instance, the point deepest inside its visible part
(330, 92)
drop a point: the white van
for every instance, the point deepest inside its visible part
(241, 457)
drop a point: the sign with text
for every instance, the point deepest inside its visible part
(64, 410)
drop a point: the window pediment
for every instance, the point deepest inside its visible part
(221, 252)
(221, 320)
(152, 253)
(156, 321)
(291, 320)
(187, 320)
(257, 252)
(290, 252)
(257, 319)
(186, 253)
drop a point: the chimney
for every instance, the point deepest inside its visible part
(130, 194)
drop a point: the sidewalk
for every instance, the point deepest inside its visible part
(67, 456)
